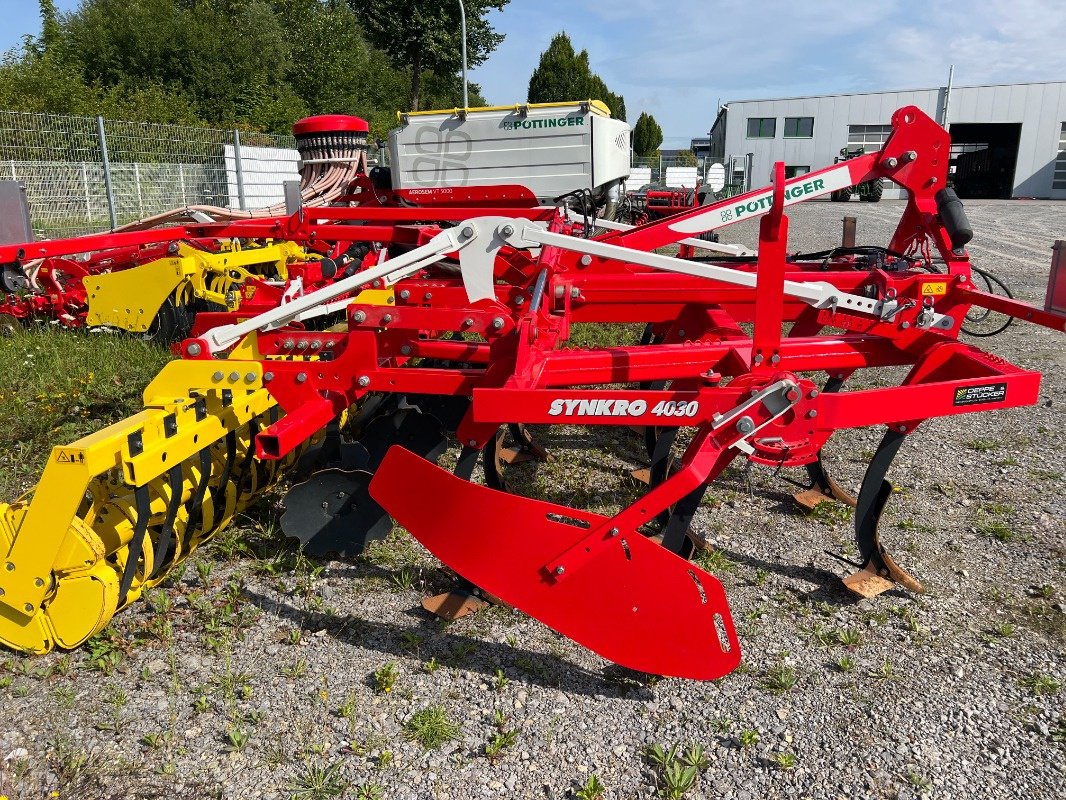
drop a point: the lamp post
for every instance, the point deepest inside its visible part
(462, 18)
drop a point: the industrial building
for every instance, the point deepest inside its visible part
(1008, 140)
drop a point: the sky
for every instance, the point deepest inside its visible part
(677, 60)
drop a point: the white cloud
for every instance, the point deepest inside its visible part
(678, 59)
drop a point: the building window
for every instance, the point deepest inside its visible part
(799, 127)
(762, 127)
(868, 137)
(1059, 181)
(795, 170)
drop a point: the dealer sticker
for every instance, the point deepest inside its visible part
(980, 395)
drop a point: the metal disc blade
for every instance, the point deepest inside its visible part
(633, 602)
(332, 512)
(419, 433)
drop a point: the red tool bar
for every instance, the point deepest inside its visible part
(420, 214)
(600, 406)
(729, 357)
(1009, 306)
(84, 244)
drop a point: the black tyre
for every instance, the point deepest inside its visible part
(841, 195)
(172, 323)
(874, 190)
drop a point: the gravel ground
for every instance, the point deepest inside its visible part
(262, 675)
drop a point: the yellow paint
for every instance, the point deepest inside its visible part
(131, 298)
(597, 106)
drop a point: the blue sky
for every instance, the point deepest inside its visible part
(677, 59)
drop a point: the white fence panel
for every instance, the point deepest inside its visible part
(638, 176)
(265, 169)
(677, 177)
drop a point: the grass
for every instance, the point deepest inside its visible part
(784, 760)
(748, 737)
(60, 385)
(676, 772)
(714, 561)
(317, 782)
(591, 334)
(830, 514)
(1039, 683)
(384, 678)
(591, 789)
(431, 727)
(780, 678)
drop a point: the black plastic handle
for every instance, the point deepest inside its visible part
(953, 215)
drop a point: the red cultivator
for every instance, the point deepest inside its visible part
(731, 366)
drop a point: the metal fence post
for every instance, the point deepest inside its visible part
(240, 170)
(85, 188)
(137, 183)
(107, 172)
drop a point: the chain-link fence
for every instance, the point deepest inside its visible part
(86, 174)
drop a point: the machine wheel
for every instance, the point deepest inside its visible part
(171, 324)
(875, 189)
(9, 326)
(841, 195)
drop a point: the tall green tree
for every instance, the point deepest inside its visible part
(647, 135)
(421, 36)
(563, 74)
(258, 64)
(51, 30)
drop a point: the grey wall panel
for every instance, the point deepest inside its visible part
(1039, 107)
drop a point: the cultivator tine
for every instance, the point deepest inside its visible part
(659, 443)
(634, 603)
(453, 605)
(677, 536)
(524, 449)
(497, 455)
(822, 487)
(879, 571)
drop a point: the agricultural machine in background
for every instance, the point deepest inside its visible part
(433, 161)
(743, 356)
(868, 191)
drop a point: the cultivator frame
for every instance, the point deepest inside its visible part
(471, 345)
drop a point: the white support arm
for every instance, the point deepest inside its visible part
(714, 247)
(317, 302)
(820, 294)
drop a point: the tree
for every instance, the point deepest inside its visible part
(647, 135)
(51, 31)
(254, 64)
(686, 158)
(422, 36)
(563, 74)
